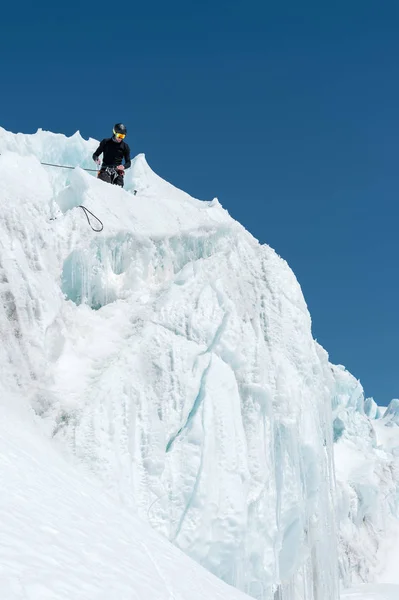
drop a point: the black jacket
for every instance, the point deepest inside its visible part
(113, 153)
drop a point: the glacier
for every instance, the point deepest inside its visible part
(63, 537)
(171, 356)
(367, 476)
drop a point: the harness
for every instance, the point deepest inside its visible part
(111, 171)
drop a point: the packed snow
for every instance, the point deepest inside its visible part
(372, 592)
(170, 358)
(64, 537)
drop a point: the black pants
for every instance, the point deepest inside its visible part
(110, 175)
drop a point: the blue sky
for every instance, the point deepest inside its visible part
(285, 110)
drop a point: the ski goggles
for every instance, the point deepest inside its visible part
(120, 136)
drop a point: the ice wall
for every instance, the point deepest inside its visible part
(173, 355)
(367, 471)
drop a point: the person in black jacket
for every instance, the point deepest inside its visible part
(114, 150)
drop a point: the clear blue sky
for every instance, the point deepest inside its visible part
(285, 110)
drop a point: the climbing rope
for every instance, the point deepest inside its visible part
(86, 210)
(67, 167)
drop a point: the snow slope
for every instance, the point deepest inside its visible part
(373, 592)
(62, 536)
(172, 355)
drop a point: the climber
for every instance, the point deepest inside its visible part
(114, 150)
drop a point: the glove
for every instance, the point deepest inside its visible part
(97, 160)
(121, 169)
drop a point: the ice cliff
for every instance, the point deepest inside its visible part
(172, 354)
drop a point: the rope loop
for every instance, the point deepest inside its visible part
(86, 210)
